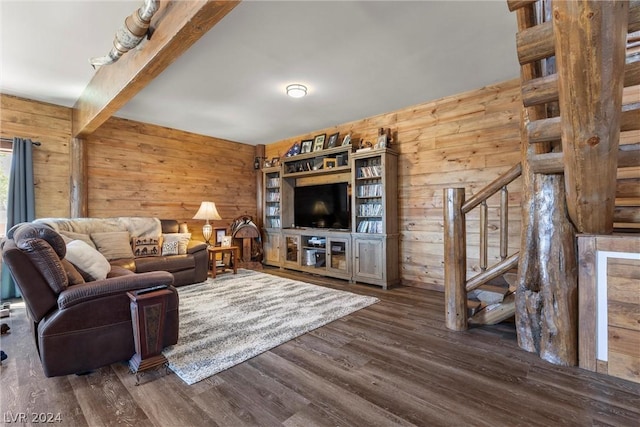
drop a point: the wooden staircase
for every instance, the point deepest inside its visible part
(545, 153)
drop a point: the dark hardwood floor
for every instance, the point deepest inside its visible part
(393, 363)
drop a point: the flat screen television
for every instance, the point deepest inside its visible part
(322, 206)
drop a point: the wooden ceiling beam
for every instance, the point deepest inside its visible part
(177, 26)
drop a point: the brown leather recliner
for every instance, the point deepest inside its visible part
(81, 327)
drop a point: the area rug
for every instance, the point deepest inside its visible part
(232, 318)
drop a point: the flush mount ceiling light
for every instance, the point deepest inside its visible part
(296, 90)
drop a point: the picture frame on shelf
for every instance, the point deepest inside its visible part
(219, 232)
(347, 139)
(226, 241)
(381, 142)
(330, 163)
(333, 140)
(306, 146)
(318, 142)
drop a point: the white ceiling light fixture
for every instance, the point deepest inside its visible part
(296, 90)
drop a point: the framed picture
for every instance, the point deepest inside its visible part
(306, 146)
(219, 232)
(347, 140)
(226, 241)
(333, 140)
(318, 142)
(330, 163)
(275, 161)
(381, 142)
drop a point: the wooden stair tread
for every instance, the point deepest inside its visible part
(495, 313)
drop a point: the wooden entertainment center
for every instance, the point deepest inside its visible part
(364, 251)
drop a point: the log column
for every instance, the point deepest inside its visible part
(79, 198)
(455, 268)
(590, 45)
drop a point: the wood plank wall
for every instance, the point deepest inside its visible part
(134, 169)
(142, 169)
(465, 140)
(51, 125)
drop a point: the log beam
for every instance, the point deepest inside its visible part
(177, 25)
(590, 45)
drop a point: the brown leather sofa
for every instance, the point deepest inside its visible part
(188, 268)
(81, 327)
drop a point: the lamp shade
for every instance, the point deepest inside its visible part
(207, 211)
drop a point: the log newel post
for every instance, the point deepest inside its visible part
(590, 44)
(78, 179)
(260, 154)
(455, 256)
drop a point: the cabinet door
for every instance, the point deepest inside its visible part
(292, 250)
(272, 248)
(368, 260)
(339, 255)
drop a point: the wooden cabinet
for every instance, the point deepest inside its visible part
(375, 260)
(368, 251)
(271, 247)
(374, 213)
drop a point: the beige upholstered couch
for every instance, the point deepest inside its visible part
(137, 243)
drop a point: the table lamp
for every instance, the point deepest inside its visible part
(207, 211)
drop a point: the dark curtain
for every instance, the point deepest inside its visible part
(21, 200)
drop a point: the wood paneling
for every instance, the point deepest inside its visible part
(51, 125)
(466, 140)
(139, 169)
(134, 169)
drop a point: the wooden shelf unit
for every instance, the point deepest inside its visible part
(368, 251)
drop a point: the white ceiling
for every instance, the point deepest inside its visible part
(358, 58)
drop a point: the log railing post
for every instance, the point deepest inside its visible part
(504, 222)
(484, 238)
(455, 259)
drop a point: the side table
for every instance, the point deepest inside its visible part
(148, 308)
(235, 257)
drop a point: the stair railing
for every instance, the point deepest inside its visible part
(456, 208)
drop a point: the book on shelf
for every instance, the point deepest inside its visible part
(374, 227)
(369, 190)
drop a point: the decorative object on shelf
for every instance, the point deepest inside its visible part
(220, 232)
(226, 241)
(296, 90)
(318, 142)
(275, 161)
(333, 140)
(267, 163)
(306, 146)
(130, 34)
(294, 150)
(347, 139)
(207, 211)
(329, 163)
(382, 141)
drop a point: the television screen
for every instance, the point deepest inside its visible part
(322, 206)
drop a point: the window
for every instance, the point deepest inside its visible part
(5, 167)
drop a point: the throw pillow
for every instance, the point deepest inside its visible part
(170, 248)
(145, 246)
(73, 275)
(113, 244)
(78, 236)
(181, 238)
(87, 259)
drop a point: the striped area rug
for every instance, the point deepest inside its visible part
(230, 319)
